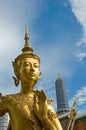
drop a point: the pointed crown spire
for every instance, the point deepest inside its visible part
(27, 44)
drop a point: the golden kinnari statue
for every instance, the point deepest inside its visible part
(28, 109)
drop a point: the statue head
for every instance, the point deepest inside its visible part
(27, 52)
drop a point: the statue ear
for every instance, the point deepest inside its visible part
(16, 81)
(16, 69)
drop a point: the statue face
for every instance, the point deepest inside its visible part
(29, 69)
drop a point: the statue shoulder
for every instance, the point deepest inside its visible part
(5, 98)
(4, 104)
(8, 98)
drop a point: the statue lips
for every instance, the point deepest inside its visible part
(32, 74)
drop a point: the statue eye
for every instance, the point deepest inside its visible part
(36, 65)
(26, 64)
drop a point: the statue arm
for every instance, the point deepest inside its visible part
(51, 122)
(48, 125)
(45, 112)
(54, 118)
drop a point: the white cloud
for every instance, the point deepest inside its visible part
(81, 92)
(81, 56)
(79, 9)
(80, 98)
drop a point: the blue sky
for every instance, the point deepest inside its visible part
(57, 31)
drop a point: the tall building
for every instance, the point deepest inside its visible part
(4, 122)
(79, 120)
(62, 103)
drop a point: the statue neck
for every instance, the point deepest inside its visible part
(27, 87)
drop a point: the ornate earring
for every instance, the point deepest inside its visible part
(16, 81)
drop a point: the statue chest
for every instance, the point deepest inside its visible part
(25, 107)
(25, 104)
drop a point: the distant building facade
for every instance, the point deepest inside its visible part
(79, 122)
(4, 122)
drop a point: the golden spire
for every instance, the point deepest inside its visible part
(27, 44)
(26, 34)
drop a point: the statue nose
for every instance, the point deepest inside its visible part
(32, 68)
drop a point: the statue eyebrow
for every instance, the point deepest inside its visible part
(36, 63)
(25, 62)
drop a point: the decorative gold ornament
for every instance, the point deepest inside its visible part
(72, 115)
